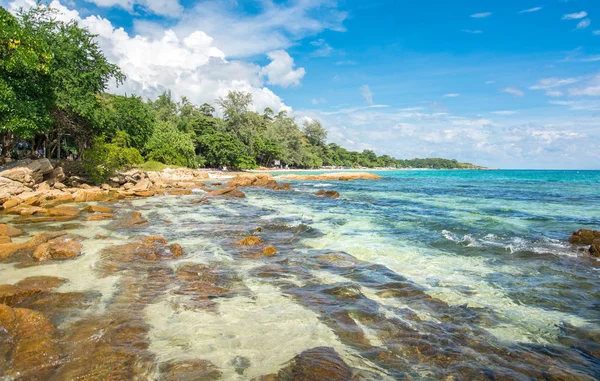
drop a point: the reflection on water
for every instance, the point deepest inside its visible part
(464, 275)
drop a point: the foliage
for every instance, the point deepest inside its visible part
(104, 158)
(168, 145)
(222, 149)
(129, 114)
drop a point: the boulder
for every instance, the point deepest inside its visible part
(321, 363)
(269, 251)
(27, 172)
(328, 194)
(128, 186)
(584, 237)
(10, 188)
(12, 295)
(188, 370)
(39, 168)
(57, 176)
(97, 209)
(60, 186)
(250, 241)
(28, 347)
(148, 193)
(8, 250)
(61, 211)
(179, 192)
(176, 250)
(230, 192)
(11, 231)
(101, 217)
(11, 203)
(89, 195)
(5, 239)
(595, 248)
(65, 247)
(142, 185)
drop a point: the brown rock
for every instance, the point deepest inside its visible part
(101, 217)
(321, 363)
(179, 192)
(155, 238)
(142, 185)
(57, 176)
(8, 250)
(97, 209)
(65, 247)
(328, 194)
(148, 193)
(250, 241)
(89, 195)
(60, 186)
(63, 211)
(26, 210)
(16, 294)
(231, 192)
(190, 370)
(10, 188)
(584, 237)
(269, 251)
(342, 176)
(176, 250)
(128, 186)
(100, 236)
(5, 239)
(595, 248)
(27, 350)
(11, 203)
(10, 231)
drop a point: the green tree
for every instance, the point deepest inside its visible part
(104, 159)
(315, 133)
(168, 145)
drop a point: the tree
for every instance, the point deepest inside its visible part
(104, 159)
(129, 114)
(168, 145)
(315, 133)
(223, 149)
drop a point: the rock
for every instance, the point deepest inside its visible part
(250, 241)
(190, 370)
(148, 193)
(12, 295)
(595, 248)
(142, 185)
(179, 192)
(263, 180)
(128, 186)
(5, 239)
(97, 209)
(10, 188)
(136, 219)
(89, 195)
(42, 187)
(26, 210)
(11, 203)
(150, 249)
(65, 247)
(231, 192)
(57, 176)
(269, 251)
(61, 211)
(176, 250)
(59, 186)
(584, 237)
(342, 176)
(11, 231)
(39, 168)
(101, 217)
(27, 344)
(282, 187)
(20, 174)
(321, 363)
(328, 194)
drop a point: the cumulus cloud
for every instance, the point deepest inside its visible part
(367, 94)
(575, 16)
(281, 70)
(531, 10)
(514, 91)
(170, 8)
(190, 65)
(481, 15)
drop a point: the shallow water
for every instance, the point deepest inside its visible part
(421, 275)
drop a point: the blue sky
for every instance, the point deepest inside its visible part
(510, 84)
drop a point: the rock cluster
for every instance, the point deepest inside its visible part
(258, 180)
(589, 238)
(337, 176)
(328, 194)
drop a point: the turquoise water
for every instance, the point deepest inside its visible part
(423, 275)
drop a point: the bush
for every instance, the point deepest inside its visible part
(168, 145)
(102, 161)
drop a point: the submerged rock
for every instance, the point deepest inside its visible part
(97, 209)
(63, 211)
(317, 364)
(10, 231)
(231, 192)
(269, 251)
(584, 237)
(8, 250)
(64, 247)
(250, 241)
(595, 248)
(190, 370)
(101, 217)
(328, 194)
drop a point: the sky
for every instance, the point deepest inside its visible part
(500, 83)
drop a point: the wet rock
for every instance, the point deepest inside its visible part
(11, 203)
(179, 192)
(101, 217)
(64, 247)
(342, 176)
(89, 195)
(595, 248)
(190, 370)
(317, 364)
(26, 210)
(231, 192)
(39, 220)
(176, 250)
(584, 237)
(11, 231)
(27, 344)
(201, 201)
(250, 241)
(131, 220)
(262, 180)
(204, 283)
(240, 364)
(5, 239)
(148, 193)
(269, 251)
(9, 250)
(328, 194)
(336, 259)
(63, 211)
(97, 209)
(12, 295)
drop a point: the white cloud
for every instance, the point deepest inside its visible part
(170, 8)
(316, 101)
(452, 95)
(596, 32)
(281, 70)
(584, 24)
(471, 31)
(550, 83)
(590, 87)
(581, 105)
(481, 15)
(504, 112)
(323, 49)
(489, 82)
(554, 93)
(367, 94)
(346, 63)
(513, 91)
(531, 10)
(575, 16)
(591, 59)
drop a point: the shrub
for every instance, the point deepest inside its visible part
(102, 161)
(168, 145)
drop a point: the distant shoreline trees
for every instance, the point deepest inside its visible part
(53, 103)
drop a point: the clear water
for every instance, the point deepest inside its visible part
(421, 275)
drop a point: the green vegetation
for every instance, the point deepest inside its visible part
(53, 101)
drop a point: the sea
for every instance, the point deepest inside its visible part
(422, 275)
